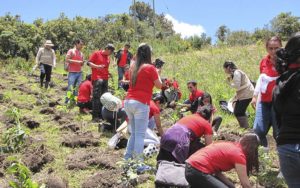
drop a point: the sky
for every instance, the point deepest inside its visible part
(189, 17)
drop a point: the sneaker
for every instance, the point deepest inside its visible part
(143, 168)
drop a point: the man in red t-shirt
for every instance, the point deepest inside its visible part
(123, 57)
(192, 102)
(99, 62)
(154, 114)
(74, 59)
(84, 95)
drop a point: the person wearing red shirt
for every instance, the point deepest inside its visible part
(215, 121)
(182, 139)
(204, 168)
(84, 95)
(123, 58)
(192, 102)
(171, 92)
(99, 63)
(126, 78)
(143, 77)
(265, 115)
(154, 114)
(75, 61)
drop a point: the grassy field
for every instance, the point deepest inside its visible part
(59, 125)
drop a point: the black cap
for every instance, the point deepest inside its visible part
(110, 47)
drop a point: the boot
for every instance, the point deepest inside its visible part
(46, 85)
(243, 121)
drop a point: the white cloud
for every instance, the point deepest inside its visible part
(185, 29)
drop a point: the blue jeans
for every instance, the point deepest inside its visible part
(138, 115)
(121, 72)
(152, 124)
(264, 119)
(74, 79)
(289, 158)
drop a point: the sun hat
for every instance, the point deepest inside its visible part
(48, 43)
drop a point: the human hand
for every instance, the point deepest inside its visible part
(253, 102)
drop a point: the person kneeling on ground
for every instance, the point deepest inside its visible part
(189, 129)
(154, 114)
(192, 102)
(215, 121)
(85, 91)
(204, 168)
(170, 92)
(126, 79)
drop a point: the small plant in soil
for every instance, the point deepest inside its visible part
(20, 176)
(14, 137)
(130, 171)
(72, 97)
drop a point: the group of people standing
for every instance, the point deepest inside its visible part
(275, 98)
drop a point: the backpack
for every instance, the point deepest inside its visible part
(111, 102)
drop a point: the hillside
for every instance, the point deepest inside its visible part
(65, 146)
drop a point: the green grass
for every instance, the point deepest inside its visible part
(205, 66)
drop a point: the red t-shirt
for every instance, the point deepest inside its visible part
(85, 91)
(75, 54)
(217, 157)
(197, 124)
(142, 91)
(98, 58)
(126, 75)
(176, 86)
(153, 109)
(268, 68)
(195, 95)
(123, 60)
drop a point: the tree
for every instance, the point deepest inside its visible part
(142, 11)
(239, 38)
(285, 25)
(262, 34)
(222, 33)
(198, 42)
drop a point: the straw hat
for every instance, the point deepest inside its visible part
(48, 43)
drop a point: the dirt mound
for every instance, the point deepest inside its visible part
(36, 158)
(23, 106)
(31, 124)
(102, 159)
(47, 111)
(111, 178)
(229, 136)
(53, 103)
(3, 165)
(26, 90)
(56, 182)
(73, 127)
(166, 117)
(80, 140)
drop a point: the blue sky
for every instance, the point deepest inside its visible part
(189, 16)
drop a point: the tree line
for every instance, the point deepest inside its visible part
(20, 39)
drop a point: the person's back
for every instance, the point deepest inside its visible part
(197, 124)
(85, 91)
(142, 91)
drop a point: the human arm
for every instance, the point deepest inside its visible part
(224, 179)
(37, 60)
(256, 92)
(54, 59)
(158, 124)
(242, 174)
(208, 139)
(235, 82)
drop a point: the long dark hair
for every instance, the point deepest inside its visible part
(229, 64)
(250, 143)
(143, 56)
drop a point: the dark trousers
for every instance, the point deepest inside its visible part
(87, 105)
(167, 156)
(121, 72)
(46, 71)
(216, 123)
(115, 119)
(99, 87)
(198, 179)
(241, 107)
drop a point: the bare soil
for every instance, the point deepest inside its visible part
(80, 139)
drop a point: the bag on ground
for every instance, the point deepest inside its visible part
(170, 174)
